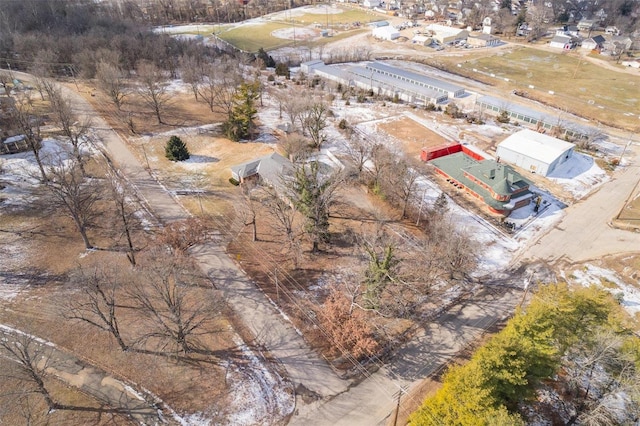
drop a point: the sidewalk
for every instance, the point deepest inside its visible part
(98, 384)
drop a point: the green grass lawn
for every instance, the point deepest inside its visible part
(578, 85)
(252, 37)
(348, 16)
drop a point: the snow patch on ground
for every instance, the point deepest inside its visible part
(296, 33)
(259, 396)
(609, 280)
(579, 175)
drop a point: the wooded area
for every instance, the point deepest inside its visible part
(573, 341)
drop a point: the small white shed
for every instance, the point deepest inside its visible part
(534, 151)
(386, 33)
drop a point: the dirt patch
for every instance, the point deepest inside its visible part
(413, 135)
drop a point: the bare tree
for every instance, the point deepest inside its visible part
(5, 81)
(176, 315)
(42, 68)
(32, 360)
(381, 161)
(404, 180)
(98, 301)
(285, 214)
(153, 88)
(595, 398)
(111, 80)
(76, 194)
(126, 210)
(191, 72)
(74, 127)
(180, 236)
(28, 121)
(293, 105)
(315, 121)
(220, 85)
(249, 210)
(359, 151)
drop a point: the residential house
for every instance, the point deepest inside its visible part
(615, 44)
(269, 168)
(569, 30)
(632, 64)
(586, 25)
(612, 31)
(594, 43)
(371, 3)
(562, 42)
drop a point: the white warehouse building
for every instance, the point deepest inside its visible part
(535, 152)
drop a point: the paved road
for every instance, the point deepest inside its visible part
(585, 232)
(372, 402)
(97, 383)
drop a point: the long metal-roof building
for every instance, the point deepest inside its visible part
(386, 80)
(415, 79)
(535, 118)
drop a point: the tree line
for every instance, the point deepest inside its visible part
(575, 342)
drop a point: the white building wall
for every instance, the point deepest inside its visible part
(523, 161)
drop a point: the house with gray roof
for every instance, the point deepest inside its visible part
(594, 43)
(269, 168)
(562, 42)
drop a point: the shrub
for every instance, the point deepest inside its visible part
(233, 182)
(430, 107)
(503, 117)
(283, 70)
(271, 78)
(342, 125)
(176, 150)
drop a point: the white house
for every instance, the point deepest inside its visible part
(386, 33)
(535, 152)
(371, 3)
(593, 43)
(562, 42)
(632, 64)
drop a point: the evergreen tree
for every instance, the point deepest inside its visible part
(176, 150)
(283, 70)
(312, 194)
(240, 124)
(268, 61)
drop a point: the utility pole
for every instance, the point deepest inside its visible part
(398, 395)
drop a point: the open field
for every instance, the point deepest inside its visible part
(261, 33)
(253, 37)
(333, 19)
(579, 86)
